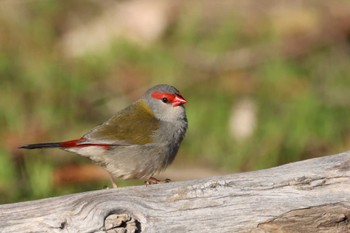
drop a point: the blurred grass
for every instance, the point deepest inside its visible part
(303, 104)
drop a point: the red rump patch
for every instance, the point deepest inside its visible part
(77, 143)
(72, 143)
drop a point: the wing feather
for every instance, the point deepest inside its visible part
(133, 125)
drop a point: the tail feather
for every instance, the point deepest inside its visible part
(42, 145)
(66, 144)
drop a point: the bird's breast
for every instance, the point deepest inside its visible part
(170, 135)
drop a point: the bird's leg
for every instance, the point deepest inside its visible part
(114, 184)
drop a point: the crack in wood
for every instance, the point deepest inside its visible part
(62, 225)
(343, 166)
(332, 218)
(309, 183)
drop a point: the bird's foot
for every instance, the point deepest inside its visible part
(153, 180)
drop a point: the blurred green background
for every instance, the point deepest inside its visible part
(267, 83)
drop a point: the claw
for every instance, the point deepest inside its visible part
(153, 180)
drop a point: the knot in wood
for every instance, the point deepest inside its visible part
(121, 223)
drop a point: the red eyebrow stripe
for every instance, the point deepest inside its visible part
(160, 95)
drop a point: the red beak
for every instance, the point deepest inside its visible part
(179, 100)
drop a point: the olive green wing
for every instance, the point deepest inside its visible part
(133, 125)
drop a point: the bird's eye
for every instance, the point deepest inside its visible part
(165, 100)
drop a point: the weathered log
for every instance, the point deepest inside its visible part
(307, 196)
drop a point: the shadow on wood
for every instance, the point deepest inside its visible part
(307, 196)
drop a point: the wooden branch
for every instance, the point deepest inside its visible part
(306, 196)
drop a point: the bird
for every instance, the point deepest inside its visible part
(137, 142)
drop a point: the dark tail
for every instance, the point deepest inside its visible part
(42, 145)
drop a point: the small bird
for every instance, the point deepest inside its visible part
(139, 141)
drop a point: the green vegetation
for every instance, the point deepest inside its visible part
(303, 102)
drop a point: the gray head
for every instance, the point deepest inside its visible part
(165, 102)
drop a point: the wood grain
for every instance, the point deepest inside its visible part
(307, 196)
